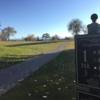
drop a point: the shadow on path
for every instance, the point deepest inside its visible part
(62, 67)
(10, 60)
(9, 77)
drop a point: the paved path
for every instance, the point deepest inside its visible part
(9, 77)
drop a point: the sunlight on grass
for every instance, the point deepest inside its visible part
(70, 45)
(53, 81)
(16, 52)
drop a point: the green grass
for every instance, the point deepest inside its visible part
(16, 52)
(53, 81)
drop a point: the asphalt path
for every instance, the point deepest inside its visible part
(11, 76)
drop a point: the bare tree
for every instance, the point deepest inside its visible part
(45, 36)
(75, 26)
(7, 32)
(55, 37)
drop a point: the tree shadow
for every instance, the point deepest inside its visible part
(34, 43)
(10, 60)
(62, 66)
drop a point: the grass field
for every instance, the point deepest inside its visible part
(16, 52)
(53, 81)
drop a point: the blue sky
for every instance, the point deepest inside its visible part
(40, 16)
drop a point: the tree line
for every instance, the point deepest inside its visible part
(75, 26)
(45, 37)
(7, 32)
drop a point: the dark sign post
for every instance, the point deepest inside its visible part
(87, 49)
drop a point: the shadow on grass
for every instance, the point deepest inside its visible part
(53, 81)
(28, 43)
(10, 60)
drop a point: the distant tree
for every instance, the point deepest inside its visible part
(55, 37)
(46, 36)
(0, 36)
(30, 38)
(38, 38)
(67, 38)
(75, 26)
(7, 32)
(0, 33)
